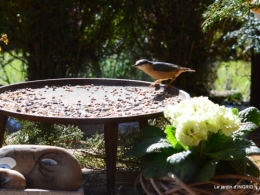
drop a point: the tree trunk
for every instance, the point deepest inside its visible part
(255, 81)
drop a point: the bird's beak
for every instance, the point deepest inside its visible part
(136, 64)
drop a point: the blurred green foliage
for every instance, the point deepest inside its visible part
(11, 69)
(46, 134)
(234, 76)
(92, 154)
(103, 38)
(89, 152)
(223, 10)
(246, 35)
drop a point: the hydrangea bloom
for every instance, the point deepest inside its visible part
(190, 131)
(228, 121)
(195, 118)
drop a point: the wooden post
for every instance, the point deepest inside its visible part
(3, 120)
(111, 136)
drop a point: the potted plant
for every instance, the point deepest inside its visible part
(202, 151)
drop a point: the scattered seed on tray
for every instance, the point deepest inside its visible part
(86, 101)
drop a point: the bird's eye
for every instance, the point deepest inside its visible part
(5, 166)
(48, 161)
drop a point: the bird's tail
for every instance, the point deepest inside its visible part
(187, 70)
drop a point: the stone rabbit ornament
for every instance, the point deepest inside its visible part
(41, 167)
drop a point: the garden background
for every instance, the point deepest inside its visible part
(104, 38)
(57, 39)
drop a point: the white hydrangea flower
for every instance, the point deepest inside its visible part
(195, 118)
(228, 121)
(190, 131)
(212, 124)
(173, 112)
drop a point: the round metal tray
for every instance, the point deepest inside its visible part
(85, 92)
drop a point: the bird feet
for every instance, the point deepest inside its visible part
(156, 85)
(158, 82)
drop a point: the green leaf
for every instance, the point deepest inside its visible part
(147, 146)
(250, 114)
(159, 167)
(244, 128)
(178, 157)
(235, 111)
(252, 169)
(233, 149)
(170, 135)
(239, 165)
(207, 171)
(189, 168)
(152, 131)
(224, 167)
(161, 144)
(215, 142)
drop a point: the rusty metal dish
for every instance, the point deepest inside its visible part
(45, 100)
(86, 101)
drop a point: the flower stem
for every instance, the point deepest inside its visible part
(200, 148)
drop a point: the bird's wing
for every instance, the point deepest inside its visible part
(165, 67)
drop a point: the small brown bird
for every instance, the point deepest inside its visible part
(161, 70)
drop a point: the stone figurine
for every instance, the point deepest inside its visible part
(41, 167)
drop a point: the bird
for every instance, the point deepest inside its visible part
(161, 70)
